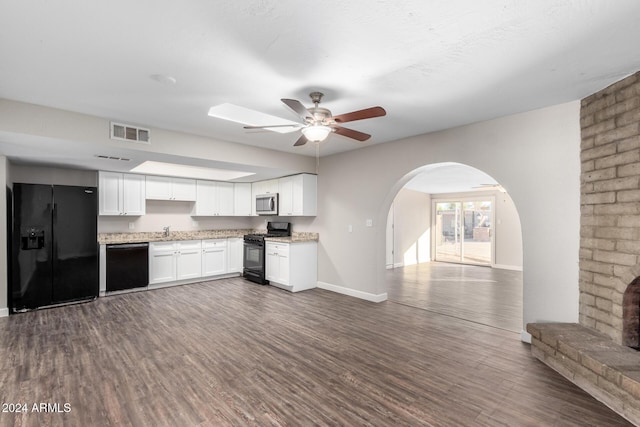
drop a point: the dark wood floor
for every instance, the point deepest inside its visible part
(234, 353)
(484, 295)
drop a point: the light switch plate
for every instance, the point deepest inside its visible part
(369, 223)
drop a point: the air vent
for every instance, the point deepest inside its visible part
(122, 159)
(130, 133)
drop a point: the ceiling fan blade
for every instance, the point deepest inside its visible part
(273, 126)
(367, 113)
(298, 108)
(350, 133)
(276, 128)
(301, 141)
(246, 116)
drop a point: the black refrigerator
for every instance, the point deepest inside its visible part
(54, 254)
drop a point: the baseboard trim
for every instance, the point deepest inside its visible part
(353, 292)
(507, 267)
(525, 337)
(396, 265)
(4, 312)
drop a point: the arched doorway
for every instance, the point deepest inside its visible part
(446, 221)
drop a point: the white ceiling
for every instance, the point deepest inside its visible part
(451, 178)
(431, 64)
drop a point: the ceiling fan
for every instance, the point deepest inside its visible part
(318, 122)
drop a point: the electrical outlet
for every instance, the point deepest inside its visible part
(194, 224)
(350, 228)
(369, 223)
(132, 226)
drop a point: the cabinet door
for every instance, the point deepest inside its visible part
(189, 263)
(285, 196)
(283, 268)
(234, 255)
(133, 194)
(214, 261)
(224, 197)
(242, 199)
(184, 189)
(110, 191)
(270, 186)
(256, 189)
(158, 188)
(297, 195)
(205, 198)
(272, 266)
(162, 266)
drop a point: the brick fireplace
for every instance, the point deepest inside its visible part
(610, 210)
(599, 354)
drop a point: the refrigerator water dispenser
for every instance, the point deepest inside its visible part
(32, 238)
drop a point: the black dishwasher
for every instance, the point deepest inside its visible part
(127, 266)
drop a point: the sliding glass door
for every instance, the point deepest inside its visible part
(464, 231)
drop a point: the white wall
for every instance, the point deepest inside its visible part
(69, 134)
(508, 236)
(53, 176)
(411, 228)
(534, 155)
(162, 213)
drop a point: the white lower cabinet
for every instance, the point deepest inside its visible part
(277, 263)
(292, 266)
(235, 253)
(188, 259)
(214, 257)
(162, 262)
(171, 261)
(185, 260)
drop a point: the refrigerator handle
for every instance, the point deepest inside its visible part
(54, 220)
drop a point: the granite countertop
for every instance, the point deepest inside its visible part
(295, 238)
(114, 238)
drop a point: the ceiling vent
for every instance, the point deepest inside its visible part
(123, 159)
(130, 133)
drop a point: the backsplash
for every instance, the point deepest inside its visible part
(177, 215)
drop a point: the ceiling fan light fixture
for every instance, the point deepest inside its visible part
(316, 133)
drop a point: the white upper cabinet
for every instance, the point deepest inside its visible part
(242, 199)
(121, 194)
(214, 199)
(298, 195)
(167, 188)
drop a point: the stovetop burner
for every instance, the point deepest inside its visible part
(274, 229)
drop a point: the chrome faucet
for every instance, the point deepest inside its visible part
(166, 230)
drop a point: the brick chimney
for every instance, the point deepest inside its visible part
(610, 206)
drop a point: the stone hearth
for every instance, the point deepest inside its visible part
(608, 371)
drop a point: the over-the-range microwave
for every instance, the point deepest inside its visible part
(267, 204)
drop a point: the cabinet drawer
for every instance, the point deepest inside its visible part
(189, 245)
(218, 243)
(162, 246)
(280, 248)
